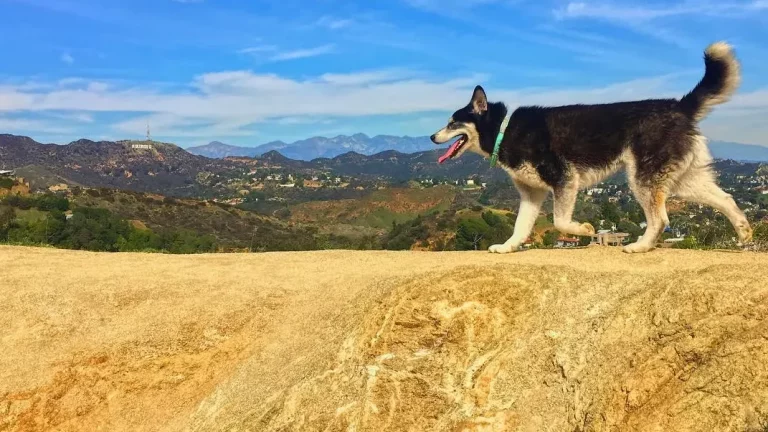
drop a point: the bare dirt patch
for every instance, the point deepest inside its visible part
(586, 340)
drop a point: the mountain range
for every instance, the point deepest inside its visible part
(321, 147)
(170, 170)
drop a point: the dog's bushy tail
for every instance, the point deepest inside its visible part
(721, 79)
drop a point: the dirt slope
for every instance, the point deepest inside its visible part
(581, 340)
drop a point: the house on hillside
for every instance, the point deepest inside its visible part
(7, 173)
(567, 242)
(609, 238)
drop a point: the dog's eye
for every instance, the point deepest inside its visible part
(453, 125)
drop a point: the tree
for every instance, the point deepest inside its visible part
(610, 212)
(471, 233)
(630, 228)
(94, 229)
(689, 242)
(7, 215)
(550, 238)
(403, 236)
(760, 236)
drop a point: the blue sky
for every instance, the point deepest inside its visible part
(248, 72)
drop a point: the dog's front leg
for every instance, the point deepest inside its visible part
(530, 203)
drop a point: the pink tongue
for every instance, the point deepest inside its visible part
(451, 150)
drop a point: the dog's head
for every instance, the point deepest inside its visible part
(467, 125)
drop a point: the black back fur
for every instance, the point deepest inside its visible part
(555, 140)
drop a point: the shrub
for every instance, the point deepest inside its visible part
(6, 183)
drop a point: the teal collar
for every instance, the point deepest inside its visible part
(499, 138)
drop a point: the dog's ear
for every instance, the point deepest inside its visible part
(479, 101)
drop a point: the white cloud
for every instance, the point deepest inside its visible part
(31, 125)
(258, 49)
(366, 77)
(77, 117)
(67, 58)
(333, 23)
(233, 103)
(304, 53)
(437, 5)
(642, 12)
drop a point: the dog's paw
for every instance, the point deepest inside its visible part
(745, 233)
(636, 248)
(500, 249)
(587, 228)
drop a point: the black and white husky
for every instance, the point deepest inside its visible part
(568, 148)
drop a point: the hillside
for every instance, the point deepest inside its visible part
(589, 340)
(164, 168)
(377, 210)
(171, 171)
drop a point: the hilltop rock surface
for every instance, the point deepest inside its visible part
(545, 340)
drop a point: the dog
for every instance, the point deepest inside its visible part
(565, 149)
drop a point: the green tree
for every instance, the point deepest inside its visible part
(471, 233)
(7, 216)
(6, 183)
(50, 202)
(500, 231)
(689, 242)
(630, 228)
(760, 235)
(94, 229)
(610, 212)
(403, 236)
(550, 238)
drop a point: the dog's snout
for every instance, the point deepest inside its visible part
(433, 138)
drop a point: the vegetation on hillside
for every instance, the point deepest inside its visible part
(94, 229)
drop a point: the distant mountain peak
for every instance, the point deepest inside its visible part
(321, 147)
(274, 156)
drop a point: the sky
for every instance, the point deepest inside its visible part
(250, 72)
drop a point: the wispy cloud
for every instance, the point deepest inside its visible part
(26, 125)
(654, 20)
(258, 49)
(221, 104)
(639, 12)
(67, 58)
(304, 53)
(77, 117)
(435, 5)
(333, 23)
(229, 96)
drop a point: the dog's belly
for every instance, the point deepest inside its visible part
(527, 175)
(591, 176)
(584, 177)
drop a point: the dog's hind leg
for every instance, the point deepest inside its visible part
(653, 200)
(698, 185)
(530, 203)
(565, 201)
